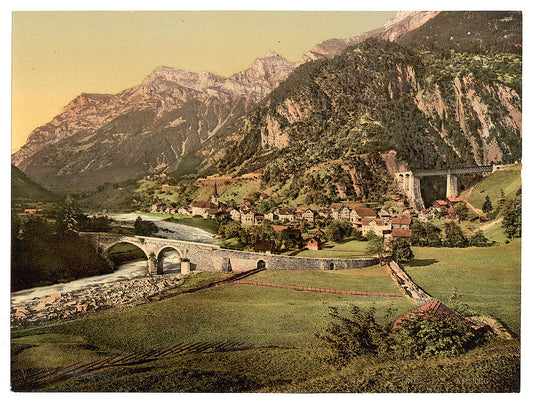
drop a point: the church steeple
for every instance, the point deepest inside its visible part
(214, 197)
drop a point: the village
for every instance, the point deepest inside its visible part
(390, 223)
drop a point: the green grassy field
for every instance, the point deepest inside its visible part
(487, 279)
(348, 249)
(371, 279)
(508, 180)
(253, 314)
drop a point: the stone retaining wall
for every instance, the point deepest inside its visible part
(404, 282)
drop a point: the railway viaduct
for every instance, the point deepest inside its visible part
(409, 181)
(208, 257)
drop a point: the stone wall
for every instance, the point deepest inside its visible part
(404, 282)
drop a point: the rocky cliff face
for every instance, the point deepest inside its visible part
(402, 23)
(99, 138)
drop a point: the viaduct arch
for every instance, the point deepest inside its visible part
(208, 257)
(409, 182)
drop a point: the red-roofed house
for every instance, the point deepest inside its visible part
(359, 213)
(432, 310)
(399, 233)
(313, 243)
(202, 207)
(372, 224)
(401, 222)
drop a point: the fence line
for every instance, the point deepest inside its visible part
(321, 290)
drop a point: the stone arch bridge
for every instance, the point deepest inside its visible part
(209, 257)
(409, 181)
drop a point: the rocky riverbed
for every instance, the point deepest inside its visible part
(59, 306)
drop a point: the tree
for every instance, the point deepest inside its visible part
(487, 205)
(376, 246)
(461, 210)
(423, 336)
(479, 240)
(512, 218)
(401, 251)
(338, 230)
(146, 228)
(454, 235)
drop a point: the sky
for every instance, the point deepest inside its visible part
(56, 55)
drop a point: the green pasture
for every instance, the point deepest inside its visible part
(371, 279)
(486, 279)
(508, 180)
(347, 249)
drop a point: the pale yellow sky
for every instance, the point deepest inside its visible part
(58, 55)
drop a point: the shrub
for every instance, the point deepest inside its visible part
(423, 336)
(349, 337)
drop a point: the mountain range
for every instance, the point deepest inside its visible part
(429, 89)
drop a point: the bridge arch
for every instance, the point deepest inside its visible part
(261, 264)
(107, 251)
(170, 267)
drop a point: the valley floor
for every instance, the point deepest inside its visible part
(277, 329)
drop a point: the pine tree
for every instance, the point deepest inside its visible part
(487, 206)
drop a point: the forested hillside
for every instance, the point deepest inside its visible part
(330, 125)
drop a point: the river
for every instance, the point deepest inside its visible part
(130, 270)
(175, 231)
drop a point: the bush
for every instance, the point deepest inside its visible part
(421, 336)
(349, 337)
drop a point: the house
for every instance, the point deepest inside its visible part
(453, 200)
(271, 215)
(451, 214)
(399, 200)
(201, 208)
(247, 202)
(286, 215)
(266, 246)
(313, 243)
(157, 208)
(324, 213)
(359, 213)
(441, 204)
(309, 216)
(399, 233)
(334, 210)
(235, 215)
(401, 223)
(434, 310)
(425, 215)
(185, 210)
(258, 219)
(372, 224)
(344, 213)
(278, 229)
(410, 213)
(385, 212)
(248, 217)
